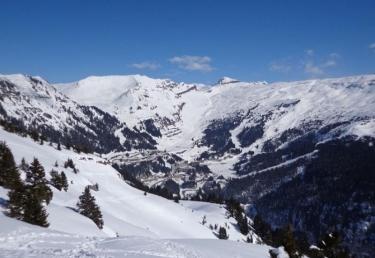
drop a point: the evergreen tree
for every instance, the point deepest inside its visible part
(67, 145)
(88, 207)
(64, 181)
(16, 195)
(70, 164)
(41, 140)
(34, 212)
(24, 166)
(242, 223)
(24, 200)
(56, 180)
(37, 174)
(38, 183)
(263, 229)
(235, 210)
(59, 146)
(34, 135)
(59, 181)
(9, 175)
(223, 233)
(17, 202)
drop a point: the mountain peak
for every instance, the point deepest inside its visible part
(227, 80)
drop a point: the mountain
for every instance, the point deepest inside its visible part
(295, 153)
(222, 126)
(134, 223)
(33, 105)
(262, 144)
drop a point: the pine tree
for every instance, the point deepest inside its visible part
(56, 180)
(17, 202)
(34, 212)
(16, 196)
(59, 146)
(10, 178)
(37, 172)
(70, 164)
(235, 210)
(9, 175)
(24, 166)
(242, 223)
(263, 229)
(223, 233)
(64, 181)
(34, 135)
(23, 204)
(37, 181)
(87, 207)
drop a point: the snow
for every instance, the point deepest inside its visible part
(148, 226)
(40, 103)
(183, 111)
(126, 210)
(293, 104)
(226, 80)
(215, 214)
(18, 239)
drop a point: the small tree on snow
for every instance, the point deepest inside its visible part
(204, 220)
(88, 207)
(56, 179)
(223, 233)
(64, 181)
(59, 181)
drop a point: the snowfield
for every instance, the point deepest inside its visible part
(18, 239)
(141, 222)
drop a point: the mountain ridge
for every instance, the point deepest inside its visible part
(246, 141)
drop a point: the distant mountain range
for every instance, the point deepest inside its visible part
(294, 152)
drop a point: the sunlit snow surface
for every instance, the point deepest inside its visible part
(18, 239)
(142, 222)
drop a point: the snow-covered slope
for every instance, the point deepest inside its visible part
(263, 144)
(184, 112)
(247, 140)
(32, 104)
(126, 211)
(132, 98)
(19, 239)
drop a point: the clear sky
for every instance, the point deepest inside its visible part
(192, 41)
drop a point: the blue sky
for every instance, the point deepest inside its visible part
(192, 41)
